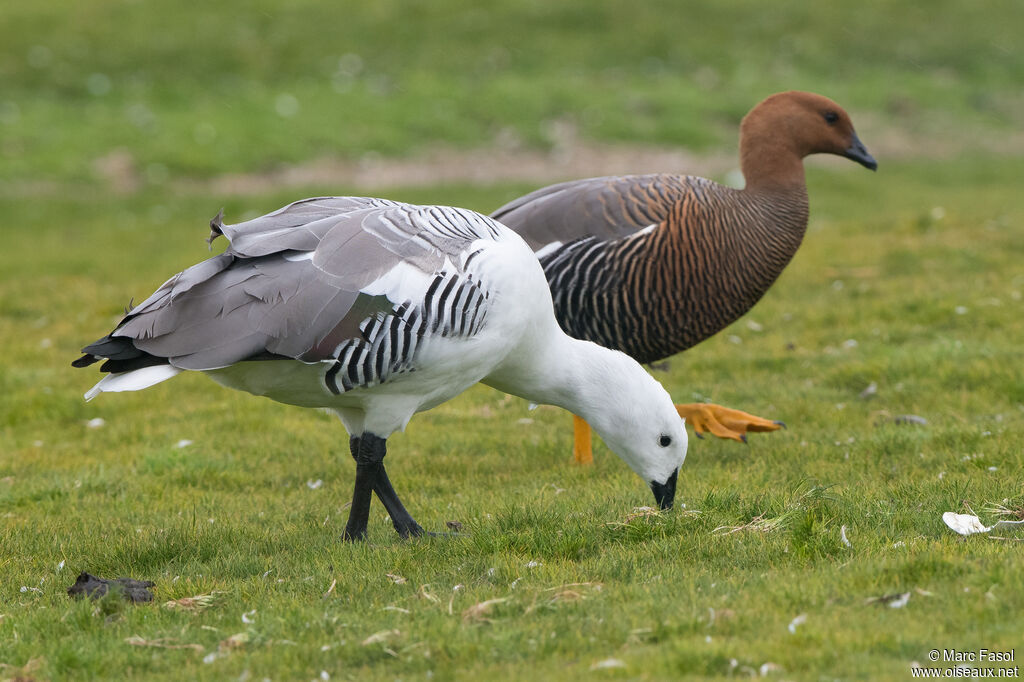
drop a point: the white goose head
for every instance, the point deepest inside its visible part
(636, 418)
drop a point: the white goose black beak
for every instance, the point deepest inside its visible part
(665, 493)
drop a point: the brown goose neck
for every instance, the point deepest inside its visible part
(771, 168)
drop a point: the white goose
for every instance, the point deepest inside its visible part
(378, 310)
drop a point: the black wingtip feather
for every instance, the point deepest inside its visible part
(118, 366)
(114, 348)
(85, 361)
(119, 355)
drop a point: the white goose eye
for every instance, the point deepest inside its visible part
(664, 441)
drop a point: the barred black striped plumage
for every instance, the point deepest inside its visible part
(453, 306)
(664, 289)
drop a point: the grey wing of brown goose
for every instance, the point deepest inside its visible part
(290, 286)
(606, 208)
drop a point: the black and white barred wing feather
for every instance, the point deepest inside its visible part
(357, 283)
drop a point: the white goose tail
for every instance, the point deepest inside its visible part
(135, 380)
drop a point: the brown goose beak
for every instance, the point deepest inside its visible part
(859, 153)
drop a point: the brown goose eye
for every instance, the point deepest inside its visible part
(665, 441)
(831, 117)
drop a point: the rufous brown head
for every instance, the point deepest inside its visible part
(802, 123)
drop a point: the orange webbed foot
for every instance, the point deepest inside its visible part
(724, 422)
(581, 448)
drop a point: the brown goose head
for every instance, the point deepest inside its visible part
(780, 131)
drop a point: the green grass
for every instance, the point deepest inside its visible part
(669, 596)
(909, 278)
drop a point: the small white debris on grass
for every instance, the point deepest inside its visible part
(525, 421)
(60, 566)
(210, 657)
(45, 343)
(183, 443)
(850, 343)
(286, 105)
(842, 536)
(395, 578)
(961, 310)
(871, 390)
(754, 326)
(734, 339)
(249, 617)
(533, 564)
(796, 622)
(96, 422)
(608, 663)
(900, 601)
(324, 675)
(896, 600)
(381, 637)
(768, 668)
(969, 524)
(313, 485)
(898, 544)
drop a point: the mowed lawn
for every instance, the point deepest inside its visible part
(908, 280)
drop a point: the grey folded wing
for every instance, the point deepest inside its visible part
(292, 283)
(604, 208)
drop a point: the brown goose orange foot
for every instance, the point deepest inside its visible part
(723, 421)
(581, 449)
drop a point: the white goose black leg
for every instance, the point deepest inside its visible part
(368, 450)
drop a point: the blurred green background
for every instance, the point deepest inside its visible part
(146, 93)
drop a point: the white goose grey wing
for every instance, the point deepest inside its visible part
(360, 283)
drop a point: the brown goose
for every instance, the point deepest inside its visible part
(654, 264)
